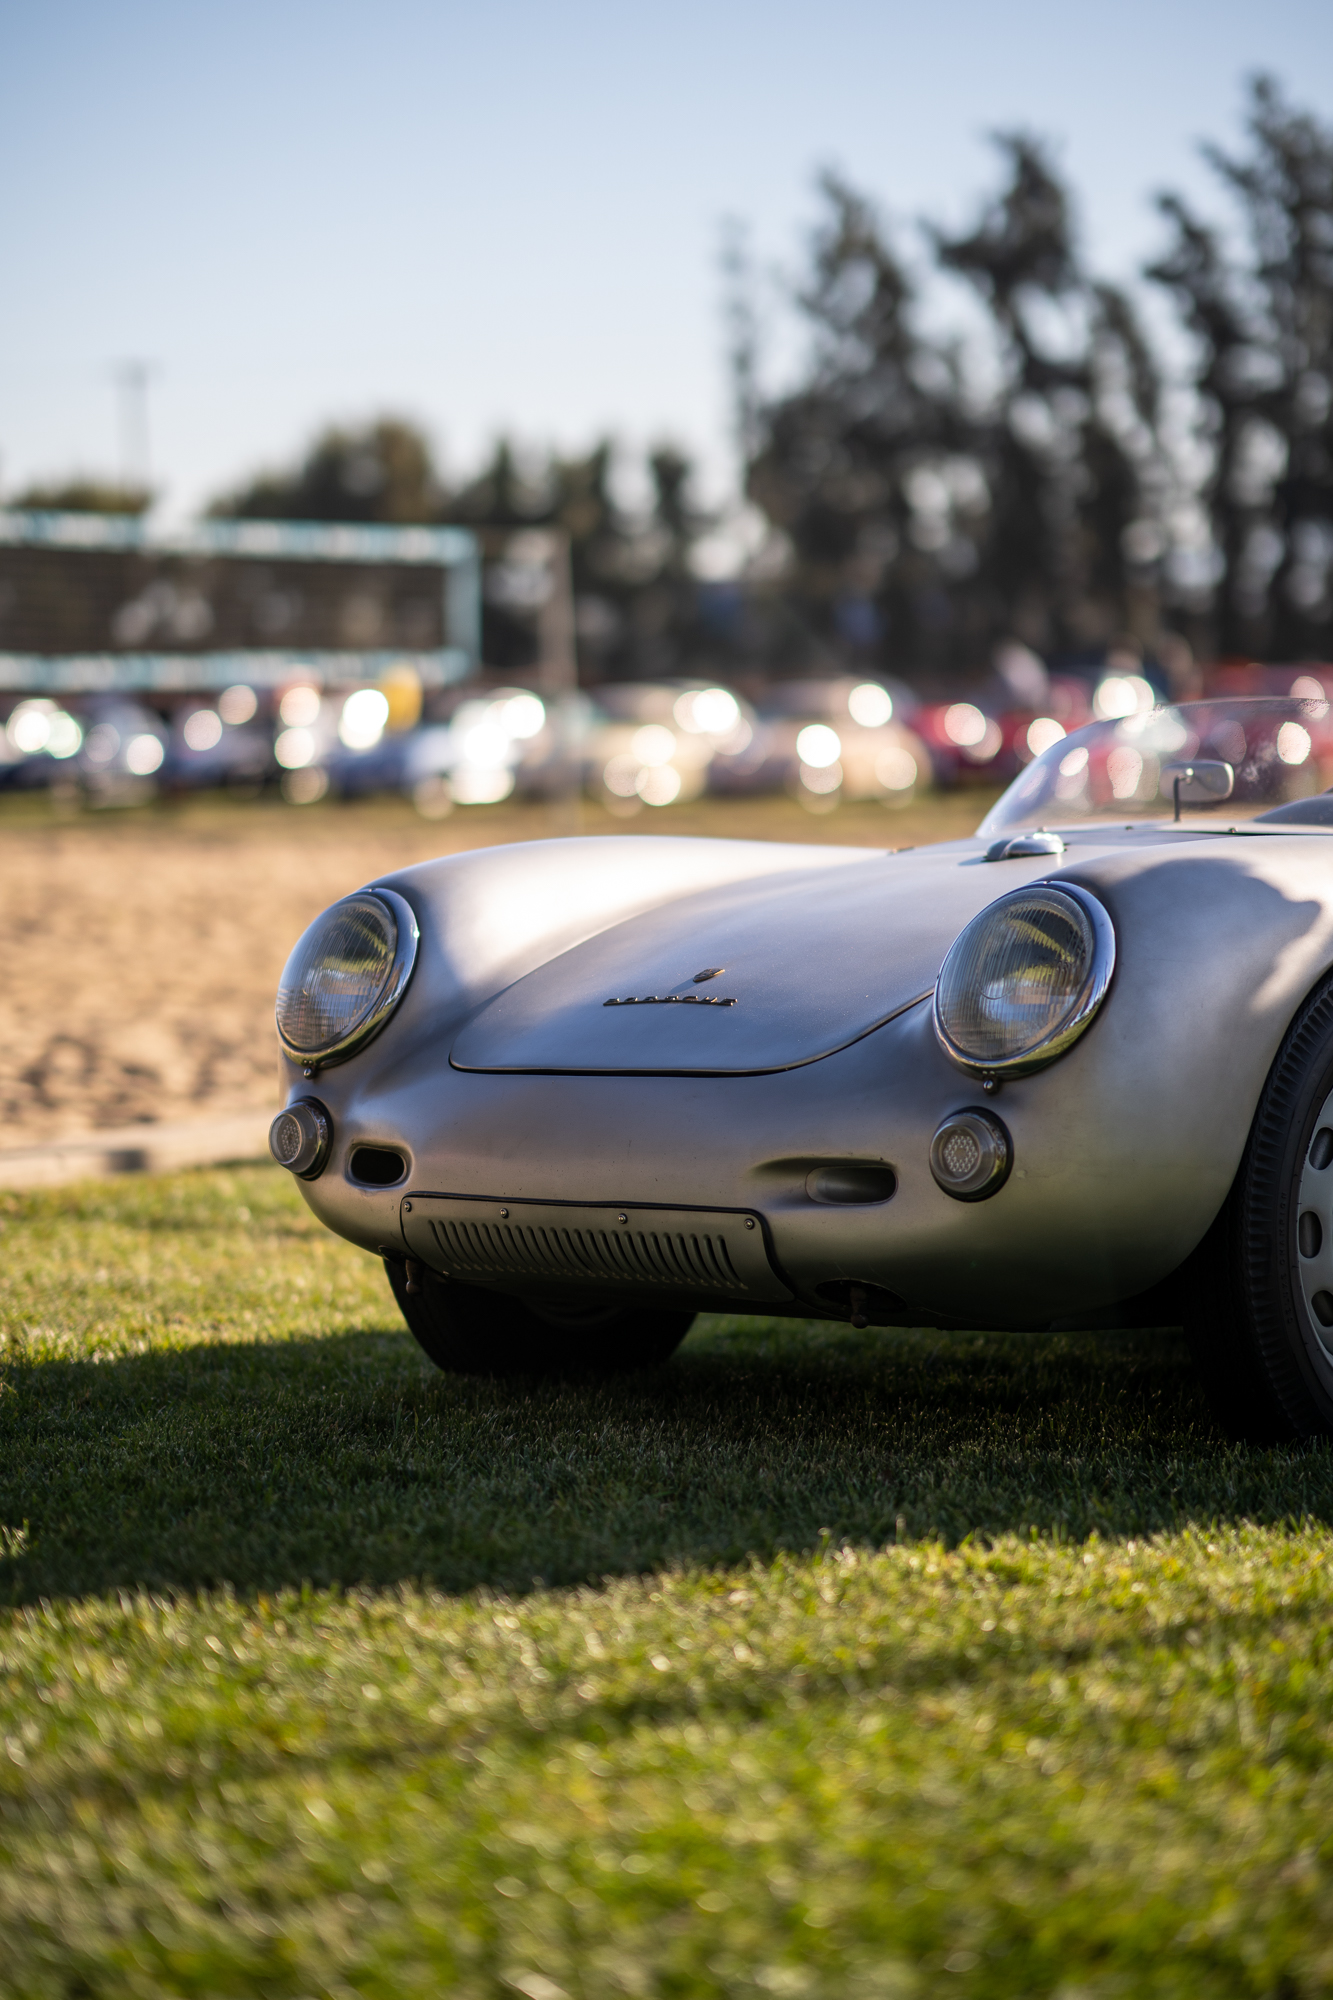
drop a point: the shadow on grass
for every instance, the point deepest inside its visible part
(348, 1460)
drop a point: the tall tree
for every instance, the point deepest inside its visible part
(854, 465)
(633, 588)
(1262, 326)
(1069, 443)
(508, 492)
(934, 511)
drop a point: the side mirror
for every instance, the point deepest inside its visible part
(1205, 782)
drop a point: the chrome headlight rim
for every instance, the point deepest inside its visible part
(1091, 994)
(376, 1014)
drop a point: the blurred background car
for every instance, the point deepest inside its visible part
(226, 742)
(822, 741)
(108, 749)
(986, 736)
(466, 746)
(38, 746)
(654, 743)
(124, 749)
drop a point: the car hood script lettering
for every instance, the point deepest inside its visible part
(672, 1000)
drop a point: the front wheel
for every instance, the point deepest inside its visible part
(1259, 1289)
(467, 1330)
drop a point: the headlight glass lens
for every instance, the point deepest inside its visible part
(1018, 975)
(336, 975)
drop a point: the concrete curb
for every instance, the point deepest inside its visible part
(137, 1149)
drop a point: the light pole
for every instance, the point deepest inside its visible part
(559, 675)
(132, 378)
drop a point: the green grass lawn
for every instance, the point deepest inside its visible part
(818, 1663)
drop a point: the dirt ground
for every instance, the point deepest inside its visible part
(142, 950)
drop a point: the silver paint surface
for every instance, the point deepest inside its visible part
(1124, 1149)
(813, 961)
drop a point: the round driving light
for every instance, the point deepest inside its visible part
(971, 1154)
(346, 976)
(1024, 979)
(299, 1138)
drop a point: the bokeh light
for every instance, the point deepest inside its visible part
(711, 712)
(143, 755)
(203, 729)
(363, 719)
(658, 785)
(821, 779)
(304, 787)
(896, 769)
(237, 704)
(477, 785)
(1122, 694)
(819, 746)
(294, 749)
(29, 727)
(1043, 734)
(299, 707)
(870, 705)
(653, 745)
(523, 715)
(621, 776)
(964, 724)
(65, 737)
(1293, 743)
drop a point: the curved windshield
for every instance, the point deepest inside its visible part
(1200, 759)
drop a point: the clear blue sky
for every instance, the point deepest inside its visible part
(506, 216)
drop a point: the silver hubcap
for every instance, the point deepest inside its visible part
(1314, 1228)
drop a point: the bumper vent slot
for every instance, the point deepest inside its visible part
(513, 1249)
(530, 1245)
(377, 1166)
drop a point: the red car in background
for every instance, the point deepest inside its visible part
(988, 740)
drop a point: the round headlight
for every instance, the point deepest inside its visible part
(346, 976)
(1024, 980)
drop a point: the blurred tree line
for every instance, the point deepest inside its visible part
(635, 592)
(86, 496)
(1047, 475)
(1053, 481)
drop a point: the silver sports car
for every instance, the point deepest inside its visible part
(1074, 1071)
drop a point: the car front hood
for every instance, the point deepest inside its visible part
(808, 961)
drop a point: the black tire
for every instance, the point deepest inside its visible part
(467, 1330)
(1258, 1286)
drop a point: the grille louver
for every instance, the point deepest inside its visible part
(527, 1245)
(511, 1249)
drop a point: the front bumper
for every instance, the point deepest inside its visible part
(1087, 1217)
(707, 1257)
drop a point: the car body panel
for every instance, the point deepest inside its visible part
(1124, 1148)
(811, 963)
(806, 962)
(489, 917)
